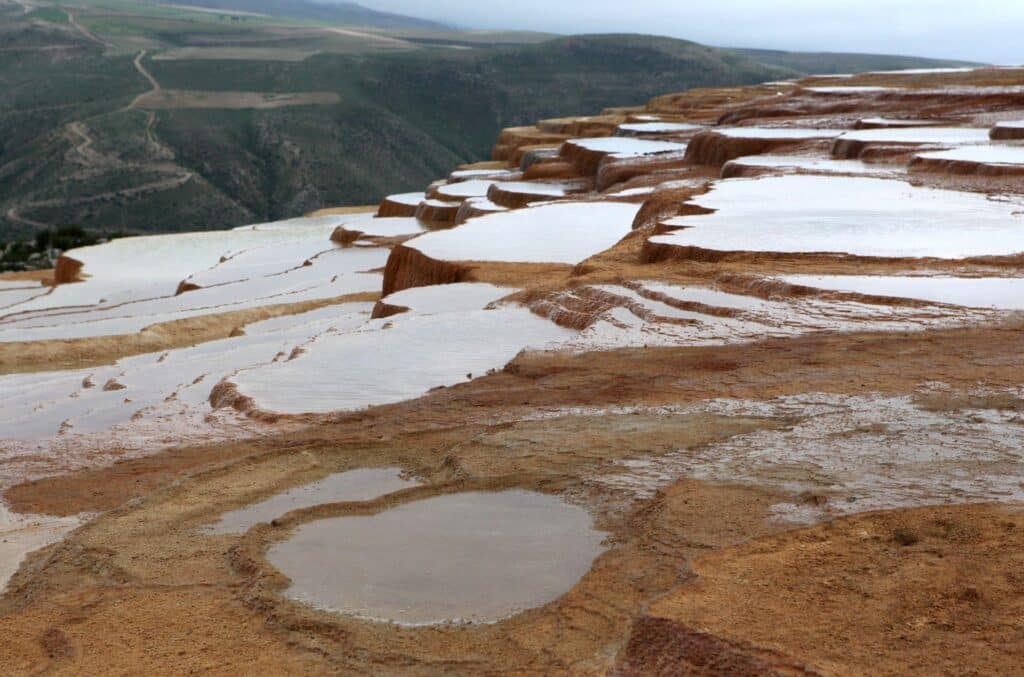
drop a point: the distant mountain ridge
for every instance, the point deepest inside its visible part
(830, 63)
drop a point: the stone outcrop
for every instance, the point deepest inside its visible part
(408, 267)
(715, 149)
(67, 270)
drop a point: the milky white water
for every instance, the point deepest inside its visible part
(558, 233)
(952, 136)
(994, 154)
(893, 122)
(385, 227)
(335, 272)
(852, 215)
(134, 268)
(812, 164)
(361, 484)
(169, 385)
(395, 359)
(641, 128)
(448, 298)
(406, 198)
(776, 133)
(550, 189)
(987, 292)
(464, 189)
(623, 147)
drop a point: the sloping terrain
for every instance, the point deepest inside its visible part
(340, 12)
(725, 383)
(835, 63)
(120, 116)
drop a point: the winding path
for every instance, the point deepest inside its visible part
(84, 149)
(146, 74)
(85, 31)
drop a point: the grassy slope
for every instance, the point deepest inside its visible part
(335, 12)
(828, 63)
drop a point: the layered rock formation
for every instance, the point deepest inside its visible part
(768, 337)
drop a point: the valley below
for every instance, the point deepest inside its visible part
(726, 383)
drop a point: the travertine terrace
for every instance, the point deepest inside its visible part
(730, 383)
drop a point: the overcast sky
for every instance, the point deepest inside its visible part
(977, 30)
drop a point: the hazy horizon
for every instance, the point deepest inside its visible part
(984, 30)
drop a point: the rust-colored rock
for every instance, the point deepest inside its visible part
(389, 207)
(67, 270)
(408, 267)
(344, 236)
(186, 286)
(516, 197)
(1006, 133)
(513, 138)
(964, 167)
(382, 310)
(112, 385)
(659, 646)
(438, 212)
(711, 148)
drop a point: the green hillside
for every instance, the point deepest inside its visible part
(831, 63)
(257, 118)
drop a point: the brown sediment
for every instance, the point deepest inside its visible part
(44, 277)
(29, 356)
(531, 155)
(437, 212)
(586, 305)
(186, 286)
(858, 363)
(67, 270)
(857, 149)
(521, 196)
(699, 578)
(1006, 133)
(408, 267)
(658, 646)
(715, 149)
(887, 592)
(381, 310)
(665, 204)
(966, 167)
(513, 138)
(585, 160)
(656, 252)
(587, 126)
(769, 288)
(345, 237)
(343, 211)
(737, 170)
(554, 169)
(526, 156)
(897, 124)
(470, 209)
(617, 170)
(389, 208)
